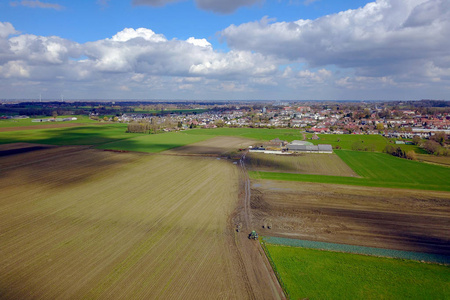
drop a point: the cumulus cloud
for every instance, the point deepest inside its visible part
(135, 53)
(385, 37)
(36, 4)
(6, 29)
(217, 6)
(388, 48)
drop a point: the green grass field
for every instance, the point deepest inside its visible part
(106, 136)
(316, 274)
(153, 143)
(82, 135)
(378, 170)
(28, 122)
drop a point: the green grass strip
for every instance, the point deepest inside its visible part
(376, 170)
(316, 274)
(434, 258)
(153, 143)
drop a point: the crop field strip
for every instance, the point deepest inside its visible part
(377, 170)
(309, 163)
(220, 145)
(398, 219)
(418, 256)
(107, 237)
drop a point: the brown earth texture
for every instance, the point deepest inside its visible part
(410, 220)
(84, 223)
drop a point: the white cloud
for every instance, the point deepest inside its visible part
(6, 29)
(15, 69)
(386, 37)
(217, 6)
(144, 33)
(199, 42)
(132, 56)
(385, 50)
(36, 4)
(42, 50)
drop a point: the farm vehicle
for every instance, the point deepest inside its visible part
(253, 235)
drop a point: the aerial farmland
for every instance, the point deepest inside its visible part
(103, 215)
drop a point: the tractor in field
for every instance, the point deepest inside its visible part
(253, 235)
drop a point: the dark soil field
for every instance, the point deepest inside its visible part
(408, 220)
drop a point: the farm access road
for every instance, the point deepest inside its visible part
(261, 281)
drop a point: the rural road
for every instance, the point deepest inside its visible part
(262, 279)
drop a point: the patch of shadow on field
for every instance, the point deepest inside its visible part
(398, 231)
(263, 163)
(78, 135)
(21, 150)
(409, 230)
(67, 166)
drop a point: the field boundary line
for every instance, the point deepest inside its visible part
(275, 270)
(371, 251)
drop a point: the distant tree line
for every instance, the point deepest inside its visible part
(399, 152)
(436, 144)
(154, 125)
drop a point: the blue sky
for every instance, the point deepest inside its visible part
(214, 49)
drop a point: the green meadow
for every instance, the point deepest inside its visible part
(152, 143)
(105, 136)
(79, 135)
(317, 274)
(377, 170)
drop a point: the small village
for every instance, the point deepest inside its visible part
(362, 118)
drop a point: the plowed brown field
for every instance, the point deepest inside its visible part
(409, 220)
(82, 223)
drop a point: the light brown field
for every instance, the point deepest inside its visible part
(308, 163)
(97, 224)
(399, 219)
(440, 160)
(220, 145)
